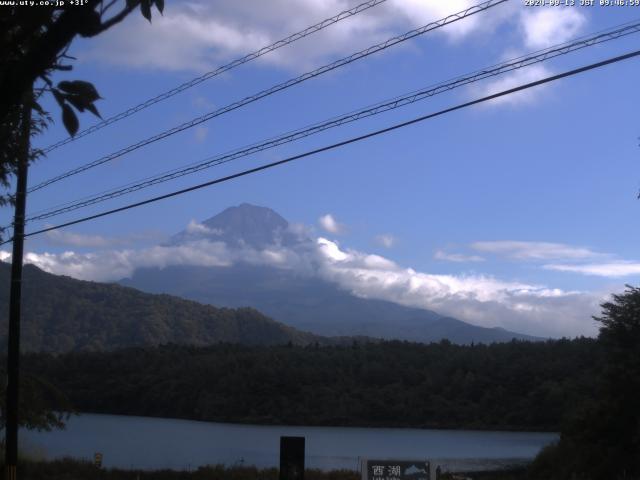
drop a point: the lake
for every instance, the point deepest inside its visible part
(155, 443)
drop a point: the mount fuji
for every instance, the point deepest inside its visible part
(267, 274)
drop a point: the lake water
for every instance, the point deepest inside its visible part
(154, 443)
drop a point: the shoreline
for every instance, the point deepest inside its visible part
(250, 423)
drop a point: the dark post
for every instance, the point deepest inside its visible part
(291, 458)
(13, 354)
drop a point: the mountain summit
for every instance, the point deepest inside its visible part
(298, 294)
(241, 226)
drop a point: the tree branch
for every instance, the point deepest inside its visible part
(106, 7)
(112, 21)
(42, 54)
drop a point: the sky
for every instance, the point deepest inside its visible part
(519, 213)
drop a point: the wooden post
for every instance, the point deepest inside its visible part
(291, 458)
(13, 354)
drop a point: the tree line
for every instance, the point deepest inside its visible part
(517, 385)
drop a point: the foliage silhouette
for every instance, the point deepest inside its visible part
(601, 440)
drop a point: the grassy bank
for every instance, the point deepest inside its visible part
(509, 474)
(68, 469)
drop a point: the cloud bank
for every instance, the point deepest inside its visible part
(519, 250)
(476, 298)
(616, 269)
(546, 27)
(456, 257)
(540, 29)
(198, 35)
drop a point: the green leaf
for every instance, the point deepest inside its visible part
(85, 90)
(90, 24)
(92, 108)
(77, 102)
(70, 120)
(38, 108)
(58, 96)
(160, 5)
(145, 8)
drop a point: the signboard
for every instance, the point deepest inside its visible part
(396, 470)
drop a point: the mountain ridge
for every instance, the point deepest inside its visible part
(301, 300)
(61, 314)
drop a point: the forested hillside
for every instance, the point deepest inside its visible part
(61, 314)
(517, 385)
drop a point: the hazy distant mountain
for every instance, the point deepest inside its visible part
(300, 300)
(311, 304)
(61, 314)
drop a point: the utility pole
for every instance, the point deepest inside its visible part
(13, 355)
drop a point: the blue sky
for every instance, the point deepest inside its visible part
(518, 213)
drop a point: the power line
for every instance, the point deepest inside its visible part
(338, 144)
(213, 73)
(397, 102)
(276, 88)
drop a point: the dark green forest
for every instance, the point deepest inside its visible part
(62, 314)
(517, 385)
(600, 436)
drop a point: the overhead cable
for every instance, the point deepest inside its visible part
(338, 144)
(274, 89)
(353, 116)
(213, 73)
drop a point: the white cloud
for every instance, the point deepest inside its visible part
(198, 35)
(195, 227)
(386, 240)
(512, 80)
(479, 299)
(612, 270)
(330, 224)
(199, 231)
(535, 250)
(546, 27)
(421, 12)
(108, 265)
(457, 257)
(541, 28)
(189, 36)
(331, 250)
